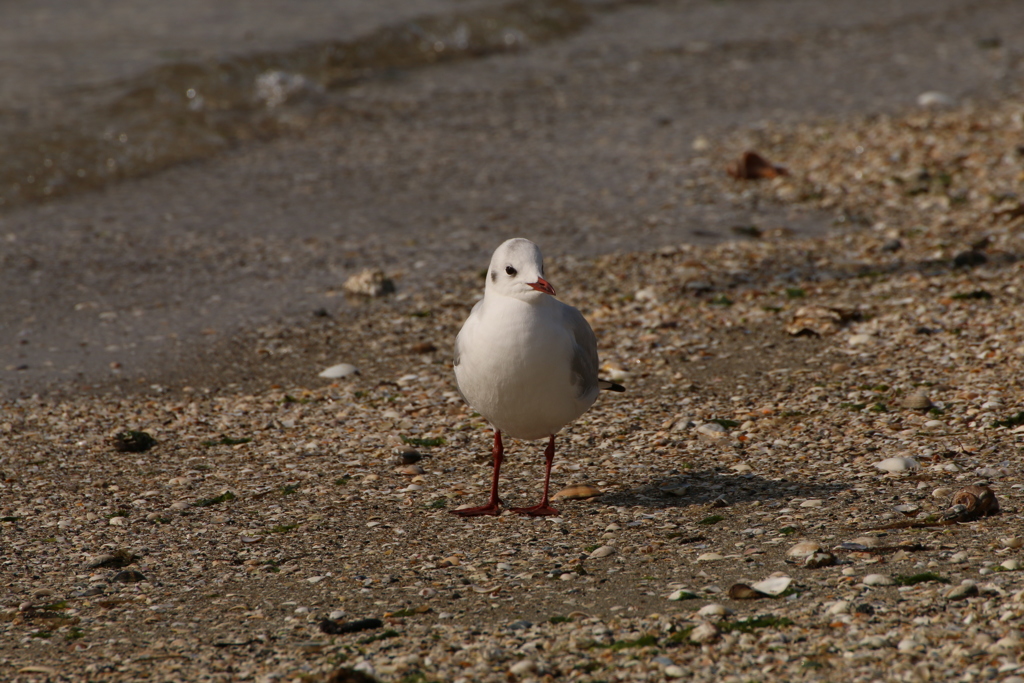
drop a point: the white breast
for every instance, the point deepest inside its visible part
(515, 368)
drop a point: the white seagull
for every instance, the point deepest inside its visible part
(525, 361)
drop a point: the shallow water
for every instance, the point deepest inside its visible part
(188, 109)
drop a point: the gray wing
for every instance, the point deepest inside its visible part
(584, 352)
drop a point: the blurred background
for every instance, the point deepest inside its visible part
(172, 173)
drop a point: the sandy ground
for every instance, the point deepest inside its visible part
(816, 363)
(785, 397)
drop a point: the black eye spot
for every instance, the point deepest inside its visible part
(510, 270)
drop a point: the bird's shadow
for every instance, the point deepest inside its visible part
(711, 487)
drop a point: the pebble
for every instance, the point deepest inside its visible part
(704, 633)
(878, 580)
(409, 457)
(133, 442)
(861, 340)
(942, 493)
(819, 560)
(741, 591)
(338, 371)
(908, 509)
(910, 644)
(523, 667)
(812, 503)
(603, 551)
(897, 464)
(577, 492)
(917, 400)
(840, 607)
(990, 472)
(116, 559)
(875, 642)
(962, 592)
(1012, 542)
(1010, 565)
(674, 671)
(867, 541)
(369, 282)
(1011, 642)
(714, 610)
(128, 576)
(682, 595)
(710, 557)
(803, 549)
(713, 430)
(934, 99)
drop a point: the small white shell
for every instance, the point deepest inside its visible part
(714, 610)
(775, 585)
(340, 370)
(898, 463)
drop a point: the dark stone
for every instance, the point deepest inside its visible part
(115, 560)
(346, 675)
(520, 625)
(333, 627)
(864, 609)
(409, 457)
(133, 442)
(969, 259)
(128, 576)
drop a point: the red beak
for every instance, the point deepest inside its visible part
(542, 285)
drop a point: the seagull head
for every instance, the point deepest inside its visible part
(517, 270)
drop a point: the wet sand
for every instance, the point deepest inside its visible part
(588, 144)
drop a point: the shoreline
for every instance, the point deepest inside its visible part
(591, 144)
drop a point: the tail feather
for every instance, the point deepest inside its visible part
(610, 386)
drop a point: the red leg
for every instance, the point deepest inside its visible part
(493, 506)
(543, 509)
